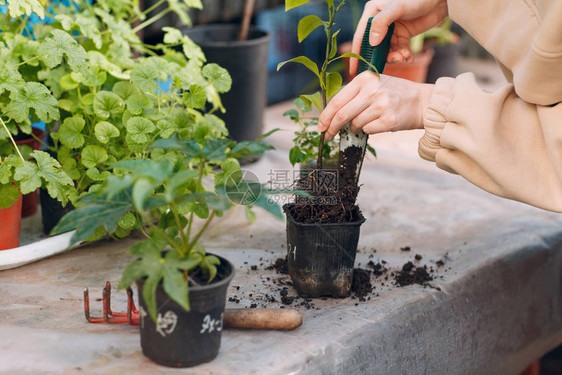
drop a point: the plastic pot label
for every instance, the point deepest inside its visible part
(209, 325)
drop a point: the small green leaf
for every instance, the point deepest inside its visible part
(314, 99)
(218, 77)
(293, 114)
(136, 103)
(195, 98)
(334, 45)
(302, 105)
(139, 129)
(95, 174)
(354, 55)
(304, 61)
(167, 128)
(18, 8)
(32, 95)
(307, 25)
(93, 155)
(104, 131)
(9, 193)
(295, 155)
(125, 89)
(175, 286)
(333, 84)
(290, 4)
(70, 132)
(53, 49)
(127, 221)
(107, 103)
(67, 83)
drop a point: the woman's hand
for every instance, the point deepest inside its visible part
(411, 18)
(376, 106)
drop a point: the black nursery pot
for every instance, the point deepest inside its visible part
(51, 211)
(186, 338)
(246, 61)
(320, 257)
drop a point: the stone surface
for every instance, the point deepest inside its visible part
(499, 306)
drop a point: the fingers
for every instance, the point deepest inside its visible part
(368, 115)
(347, 94)
(379, 26)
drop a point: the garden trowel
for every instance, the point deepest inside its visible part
(376, 56)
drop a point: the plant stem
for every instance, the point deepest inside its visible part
(12, 139)
(151, 20)
(323, 88)
(28, 60)
(178, 223)
(202, 230)
(161, 233)
(191, 214)
(156, 5)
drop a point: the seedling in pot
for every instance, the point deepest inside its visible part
(197, 180)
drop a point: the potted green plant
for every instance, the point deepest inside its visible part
(323, 230)
(21, 174)
(182, 288)
(109, 85)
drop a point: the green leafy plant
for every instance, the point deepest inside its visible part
(103, 97)
(166, 196)
(330, 82)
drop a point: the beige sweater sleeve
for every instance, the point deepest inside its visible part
(508, 142)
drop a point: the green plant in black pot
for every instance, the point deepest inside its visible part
(182, 288)
(323, 230)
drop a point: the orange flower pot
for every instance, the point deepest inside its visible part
(414, 70)
(10, 225)
(30, 201)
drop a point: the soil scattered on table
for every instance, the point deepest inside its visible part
(361, 285)
(280, 265)
(333, 193)
(411, 274)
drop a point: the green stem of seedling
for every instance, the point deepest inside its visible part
(12, 139)
(162, 233)
(323, 87)
(202, 230)
(191, 214)
(174, 209)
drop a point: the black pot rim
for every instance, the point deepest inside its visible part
(265, 35)
(324, 225)
(212, 285)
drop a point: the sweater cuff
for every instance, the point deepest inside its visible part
(434, 118)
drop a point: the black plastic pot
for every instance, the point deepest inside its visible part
(320, 257)
(246, 61)
(186, 338)
(51, 211)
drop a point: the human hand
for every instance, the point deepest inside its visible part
(411, 18)
(376, 106)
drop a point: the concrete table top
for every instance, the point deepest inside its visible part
(499, 306)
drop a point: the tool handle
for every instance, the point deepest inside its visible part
(375, 55)
(281, 319)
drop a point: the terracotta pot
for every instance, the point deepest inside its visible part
(30, 201)
(413, 70)
(10, 225)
